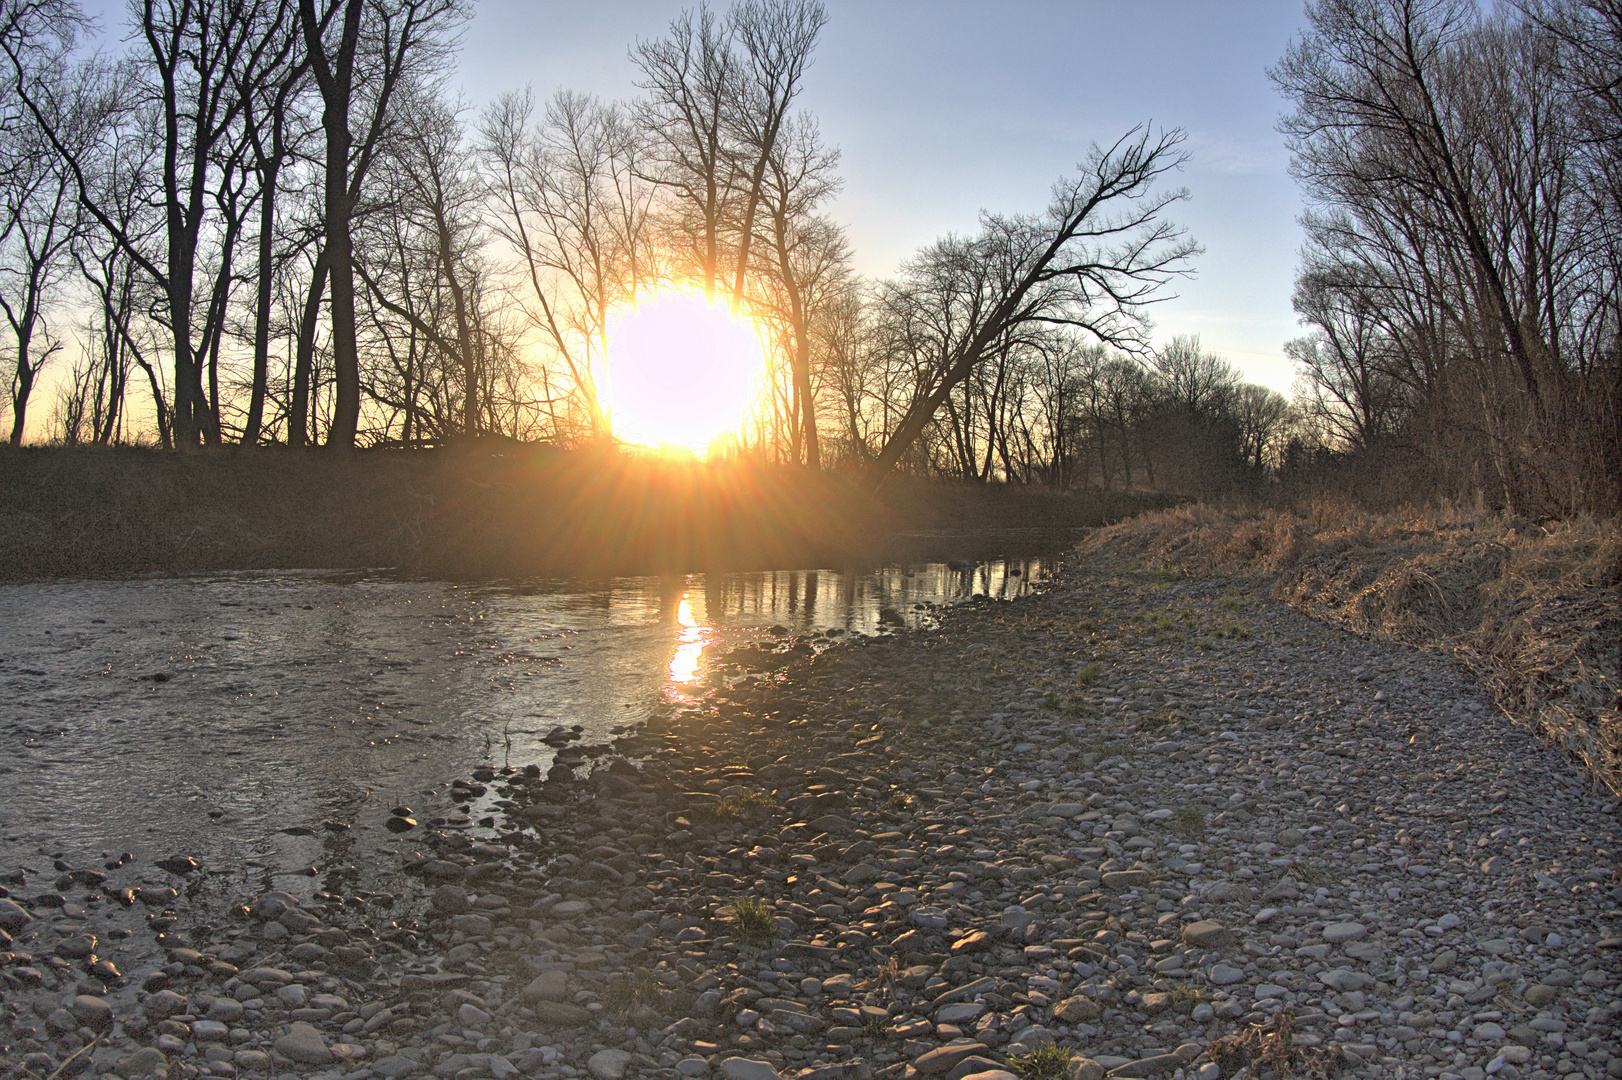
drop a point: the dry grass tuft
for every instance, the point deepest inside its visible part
(1537, 611)
(1269, 1050)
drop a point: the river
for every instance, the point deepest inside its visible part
(238, 717)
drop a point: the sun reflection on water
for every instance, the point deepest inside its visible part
(690, 645)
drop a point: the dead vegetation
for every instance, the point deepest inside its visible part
(1270, 1051)
(1535, 610)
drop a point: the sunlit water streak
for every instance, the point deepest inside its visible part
(205, 714)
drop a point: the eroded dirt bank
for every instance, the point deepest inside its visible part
(1131, 817)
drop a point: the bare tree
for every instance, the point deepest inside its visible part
(1199, 383)
(431, 200)
(691, 80)
(569, 199)
(809, 262)
(1441, 157)
(777, 37)
(1264, 419)
(359, 50)
(39, 222)
(1100, 254)
(268, 111)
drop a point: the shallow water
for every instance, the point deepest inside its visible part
(206, 715)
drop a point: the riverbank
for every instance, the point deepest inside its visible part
(1133, 817)
(1535, 611)
(487, 510)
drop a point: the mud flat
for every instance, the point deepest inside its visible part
(1166, 826)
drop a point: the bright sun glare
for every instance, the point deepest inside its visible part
(682, 371)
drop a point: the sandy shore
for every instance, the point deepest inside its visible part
(1134, 817)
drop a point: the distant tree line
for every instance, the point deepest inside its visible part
(265, 221)
(1462, 279)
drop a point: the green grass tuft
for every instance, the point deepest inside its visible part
(1047, 1062)
(753, 921)
(1189, 821)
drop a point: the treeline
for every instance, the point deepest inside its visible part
(264, 221)
(1462, 278)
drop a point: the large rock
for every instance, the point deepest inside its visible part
(450, 900)
(1344, 980)
(165, 1003)
(547, 986)
(92, 1012)
(561, 1014)
(273, 905)
(178, 864)
(942, 1059)
(960, 1013)
(1084, 1068)
(13, 916)
(143, 1063)
(837, 826)
(266, 978)
(1539, 994)
(1077, 1010)
(1126, 879)
(977, 941)
(1149, 1066)
(740, 1068)
(1208, 934)
(968, 1067)
(303, 1044)
(1338, 932)
(608, 1064)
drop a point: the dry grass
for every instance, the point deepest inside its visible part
(1270, 1051)
(1536, 610)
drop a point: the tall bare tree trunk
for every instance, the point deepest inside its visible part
(298, 412)
(335, 77)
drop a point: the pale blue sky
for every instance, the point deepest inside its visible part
(942, 108)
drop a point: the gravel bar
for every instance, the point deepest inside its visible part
(1149, 821)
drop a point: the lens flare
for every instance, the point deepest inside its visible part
(681, 371)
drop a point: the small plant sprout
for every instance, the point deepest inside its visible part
(1049, 1061)
(753, 921)
(1189, 821)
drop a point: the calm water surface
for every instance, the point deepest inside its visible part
(206, 715)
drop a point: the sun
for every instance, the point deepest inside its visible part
(681, 371)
